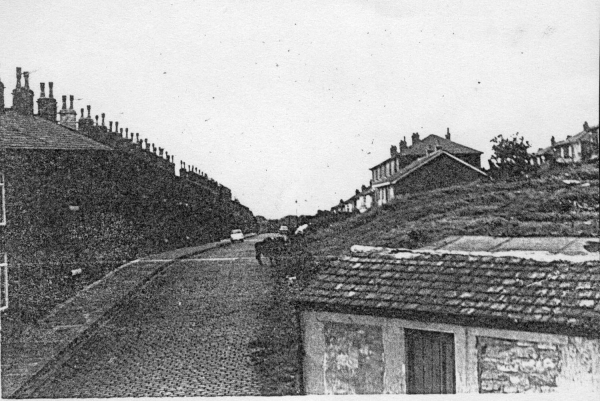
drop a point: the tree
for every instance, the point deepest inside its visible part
(511, 157)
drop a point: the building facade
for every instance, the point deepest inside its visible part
(390, 177)
(399, 321)
(580, 148)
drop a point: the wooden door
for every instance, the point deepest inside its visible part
(429, 362)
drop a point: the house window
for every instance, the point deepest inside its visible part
(2, 202)
(429, 362)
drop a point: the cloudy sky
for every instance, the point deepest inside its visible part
(286, 101)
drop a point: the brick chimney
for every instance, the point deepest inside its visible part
(23, 96)
(86, 123)
(68, 117)
(393, 151)
(403, 145)
(415, 138)
(448, 133)
(47, 105)
(552, 141)
(103, 127)
(586, 127)
(1, 98)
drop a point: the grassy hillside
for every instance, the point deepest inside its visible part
(539, 206)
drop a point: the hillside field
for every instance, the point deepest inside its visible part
(542, 205)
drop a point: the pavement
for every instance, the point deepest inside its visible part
(133, 310)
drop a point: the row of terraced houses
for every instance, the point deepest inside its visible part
(78, 189)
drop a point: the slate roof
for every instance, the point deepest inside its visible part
(479, 290)
(582, 136)
(33, 132)
(430, 142)
(417, 164)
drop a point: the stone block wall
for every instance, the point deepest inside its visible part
(354, 361)
(511, 366)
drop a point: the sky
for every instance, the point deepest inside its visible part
(289, 103)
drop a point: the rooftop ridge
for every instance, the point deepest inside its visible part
(540, 256)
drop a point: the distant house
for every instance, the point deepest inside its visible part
(361, 201)
(440, 321)
(436, 170)
(424, 160)
(578, 148)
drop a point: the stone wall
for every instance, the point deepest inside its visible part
(511, 366)
(353, 359)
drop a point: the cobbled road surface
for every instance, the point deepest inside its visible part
(187, 333)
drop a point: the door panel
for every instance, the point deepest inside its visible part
(429, 362)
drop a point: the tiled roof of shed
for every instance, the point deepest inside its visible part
(32, 132)
(479, 288)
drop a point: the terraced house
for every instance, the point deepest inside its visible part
(429, 163)
(441, 321)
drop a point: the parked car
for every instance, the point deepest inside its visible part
(283, 230)
(237, 235)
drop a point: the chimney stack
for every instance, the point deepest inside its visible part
(586, 127)
(552, 141)
(448, 133)
(393, 151)
(110, 126)
(403, 145)
(68, 117)
(23, 97)
(415, 138)
(47, 105)
(1, 98)
(86, 123)
(103, 124)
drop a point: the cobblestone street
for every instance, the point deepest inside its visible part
(188, 333)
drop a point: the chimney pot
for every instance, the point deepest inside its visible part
(121, 132)
(51, 90)
(448, 133)
(1, 98)
(110, 126)
(137, 136)
(64, 106)
(117, 127)
(71, 97)
(103, 119)
(126, 132)
(82, 114)
(18, 77)
(26, 76)
(88, 109)
(42, 89)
